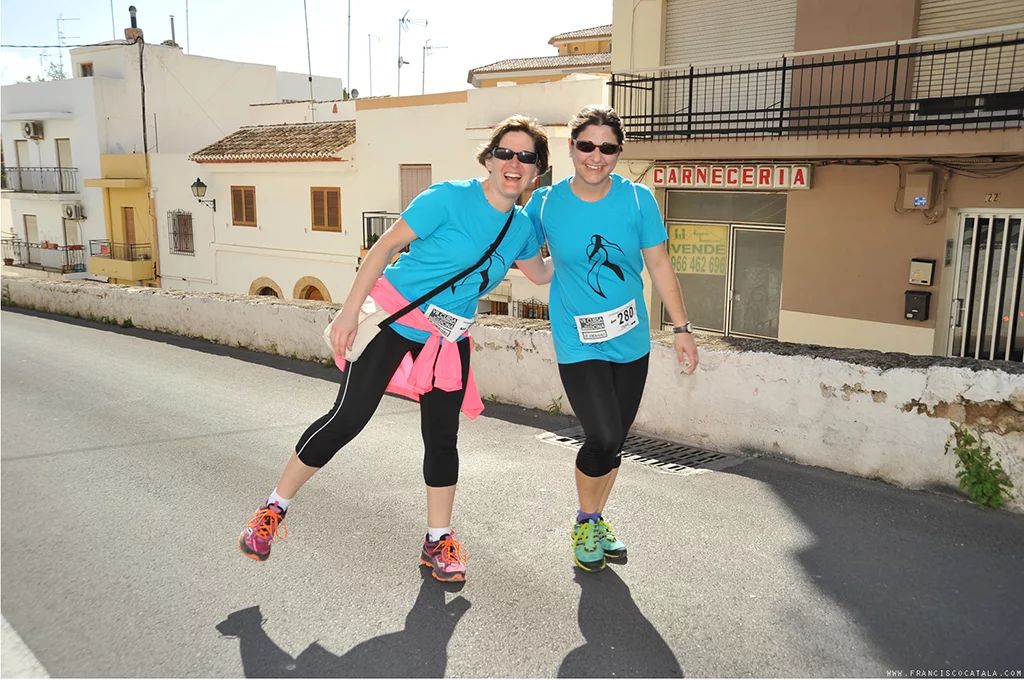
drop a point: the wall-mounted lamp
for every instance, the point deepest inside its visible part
(199, 191)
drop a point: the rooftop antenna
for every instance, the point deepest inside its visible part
(61, 38)
(187, 45)
(369, 45)
(403, 27)
(427, 51)
(309, 61)
(113, 31)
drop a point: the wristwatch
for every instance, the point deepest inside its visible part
(685, 328)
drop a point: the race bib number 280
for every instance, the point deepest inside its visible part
(611, 324)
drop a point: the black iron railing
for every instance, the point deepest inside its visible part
(529, 309)
(375, 223)
(958, 83)
(46, 256)
(128, 252)
(42, 180)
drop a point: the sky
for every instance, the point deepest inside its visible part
(474, 33)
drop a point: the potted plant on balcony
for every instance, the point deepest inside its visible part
(8, 261)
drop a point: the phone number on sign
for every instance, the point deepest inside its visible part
(698, 264)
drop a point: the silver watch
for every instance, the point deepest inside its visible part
(685, 328)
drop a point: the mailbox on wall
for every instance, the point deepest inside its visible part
(917, 304)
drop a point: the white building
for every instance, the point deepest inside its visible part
(293, 172)
(66, 145)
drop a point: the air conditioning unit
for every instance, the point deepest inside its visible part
(33, 130)
(73, 211)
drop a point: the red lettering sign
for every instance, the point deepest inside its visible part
(764, 176)
(686, 177)
(701, 176)
(732, 176)
(747, 176)
(658, 177)
(673, 176)
(717, 173)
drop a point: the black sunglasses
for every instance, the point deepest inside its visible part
(525, 157)
(608, 149)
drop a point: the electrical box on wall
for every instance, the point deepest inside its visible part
(917, 304)
(917, 195)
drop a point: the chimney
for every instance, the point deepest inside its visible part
(133, 33)
(172, 31)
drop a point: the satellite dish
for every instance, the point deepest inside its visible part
(354, 93)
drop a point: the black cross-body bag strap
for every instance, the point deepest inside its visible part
(423, 298)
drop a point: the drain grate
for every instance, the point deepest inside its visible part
(657, 453)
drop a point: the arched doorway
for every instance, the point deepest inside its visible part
(265, 287)
(267, 290)
(312, 293)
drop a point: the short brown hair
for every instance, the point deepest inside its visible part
(519, 124)
(596, 115)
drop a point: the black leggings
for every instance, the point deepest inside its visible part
(605, 397)
(362, 386)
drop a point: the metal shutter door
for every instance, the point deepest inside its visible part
(953, 16)
(699, 31)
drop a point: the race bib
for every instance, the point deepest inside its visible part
(602, 327)
(451, 326)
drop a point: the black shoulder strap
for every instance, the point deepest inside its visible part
(423, 298)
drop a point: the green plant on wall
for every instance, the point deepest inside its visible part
(979, 474)
(555, 407)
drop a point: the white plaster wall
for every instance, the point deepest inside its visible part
(817, 329)
(638, 34)
(300, 112)
(172, 178)
(296, 86)
(387, 138)
(843, 416)
(283, 246)
(550, 103)
(108, 61)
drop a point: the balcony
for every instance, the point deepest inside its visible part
(375, 223)
(127, 261)
(43, 256)
(960, 82)
(41, 180)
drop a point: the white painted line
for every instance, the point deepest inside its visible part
(16, 659)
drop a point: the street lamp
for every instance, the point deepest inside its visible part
(199, 191)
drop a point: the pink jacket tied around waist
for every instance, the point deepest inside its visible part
(438, 364)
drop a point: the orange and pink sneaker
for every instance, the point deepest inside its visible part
(266, 525)
(446, 558)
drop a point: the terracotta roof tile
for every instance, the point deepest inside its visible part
(595, 32)
(557, 61)
(298, 141)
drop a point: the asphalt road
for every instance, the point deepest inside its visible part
(131, 460)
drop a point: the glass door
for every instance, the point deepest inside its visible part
(755, 291)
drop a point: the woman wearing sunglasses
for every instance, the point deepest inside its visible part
(463, 237)
(601, 230)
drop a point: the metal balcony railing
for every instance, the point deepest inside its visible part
(529, 309)
(127, 252)
(375, 223)
(45, 256)
(42, 180)
(965, 81)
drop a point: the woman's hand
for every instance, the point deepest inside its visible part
(686, 352)
(343, 332)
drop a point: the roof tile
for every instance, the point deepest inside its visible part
(297, 141)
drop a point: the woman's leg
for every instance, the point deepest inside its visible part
(439, 423)
(362, 386)
(630, 380)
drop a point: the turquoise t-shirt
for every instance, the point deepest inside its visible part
(595, 248)
(456, 225)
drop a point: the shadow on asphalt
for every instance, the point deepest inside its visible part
(620, 641)
(420, 650)
(933, 584)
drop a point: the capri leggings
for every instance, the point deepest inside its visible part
(363, 385)
(605, 397)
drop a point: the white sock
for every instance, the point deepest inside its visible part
(275, 498)
(434, 535)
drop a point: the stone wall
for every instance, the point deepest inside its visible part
(876, 415)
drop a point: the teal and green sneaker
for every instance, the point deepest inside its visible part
(613, 548)
(587, 553)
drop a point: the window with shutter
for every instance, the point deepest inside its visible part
(243, 206)
(326, 208)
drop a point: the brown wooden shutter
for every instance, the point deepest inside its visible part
(333, 208)
(319, 208)
(237, 215)
(249, 196)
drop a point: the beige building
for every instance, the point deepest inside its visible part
(830, 178)
(583, 51)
